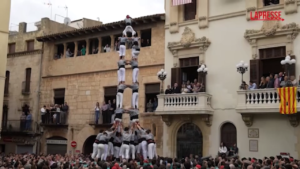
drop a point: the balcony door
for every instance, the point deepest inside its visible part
(186, 72)
(269, 63)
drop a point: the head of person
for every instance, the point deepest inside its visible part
(148, 131)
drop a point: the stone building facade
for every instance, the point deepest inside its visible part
(218, 35)
(22, 82)
(90, 78)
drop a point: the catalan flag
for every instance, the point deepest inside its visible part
(288, 103)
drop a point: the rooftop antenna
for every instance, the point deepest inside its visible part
(98, 19)
(67, 21)
(66, 8)
(50, 5)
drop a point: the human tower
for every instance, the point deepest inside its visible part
(125, 143)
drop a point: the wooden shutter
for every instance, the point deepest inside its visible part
(110, 91)
(190, 10)
(176, 76)
(7, 74)
(152, 88)
(255, 70)
(268, 53)
(27, 80)
(59, 93)
(292, 68)
(30, 45)
(189, 62)
(12, 48)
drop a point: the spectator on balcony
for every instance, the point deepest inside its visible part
(294, 81)
(23, 121)
(65, 112)
(69, 53)
(83, 50)
(106, 48)
(244, 86)
(196, 88)
(276, 81)
(252, 85)
(184, 90)
(189, 86)
(176, 89)
(155, 104)
(168, 90)
(149, 106)
(28, 122)
(281, 77)
(263, 83)
(104, 109)
(97, 112)
(43, 114)
(284, 83)
(270, 83)
(57, 108)
(25, 109)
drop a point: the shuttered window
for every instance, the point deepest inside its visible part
(27, 80)
(6, 88)
(176, 76)
(30, 45)
(28, 149)
(56, 149)
(59, 93)
(268, 53)
(152, 88)
(110, 91)
(12, 48)
(190, 10)
(189, 62)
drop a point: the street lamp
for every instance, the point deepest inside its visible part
(202, 70)
(287, 62)
(162, 74)
(242, 67)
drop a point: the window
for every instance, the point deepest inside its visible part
(146, 38)
(271, 2)
(151, 92)
(12, 48)
(59, 96)
(190, 10)
(228, 135)
(60, 51)
(6, 88)
(30, 45)
(110, 93)
(27, 80)
(94, 46)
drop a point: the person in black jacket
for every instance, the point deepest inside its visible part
(176, 89)
(169, 90)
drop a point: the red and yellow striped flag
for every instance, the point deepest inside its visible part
(288, 102)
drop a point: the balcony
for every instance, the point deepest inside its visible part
(184, 104)
(261, 101)
(60, 120)
(100, 122)
(25, 88)
(18, 127)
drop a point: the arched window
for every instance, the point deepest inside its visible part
(228, 134)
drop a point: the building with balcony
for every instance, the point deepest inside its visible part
(219, 34)
(21, 94)
(80, 69)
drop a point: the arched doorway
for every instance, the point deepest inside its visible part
(228, 134)
(189, 140)
(88, 145)
(57, 145)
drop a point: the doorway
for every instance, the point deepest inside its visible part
(272, 66)
(87, 148)
(189, 74)
(189, 140)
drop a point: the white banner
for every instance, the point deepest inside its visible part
(57, 142)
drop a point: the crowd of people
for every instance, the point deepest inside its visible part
(55, 114)
(186, 87)
(271, 81)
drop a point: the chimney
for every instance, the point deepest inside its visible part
(22, 27)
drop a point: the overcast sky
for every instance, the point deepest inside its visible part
(31, 11)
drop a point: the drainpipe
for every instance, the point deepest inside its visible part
(38, 117)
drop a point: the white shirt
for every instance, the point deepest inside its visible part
(43, 111)
(97, 108)
(222, 149)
